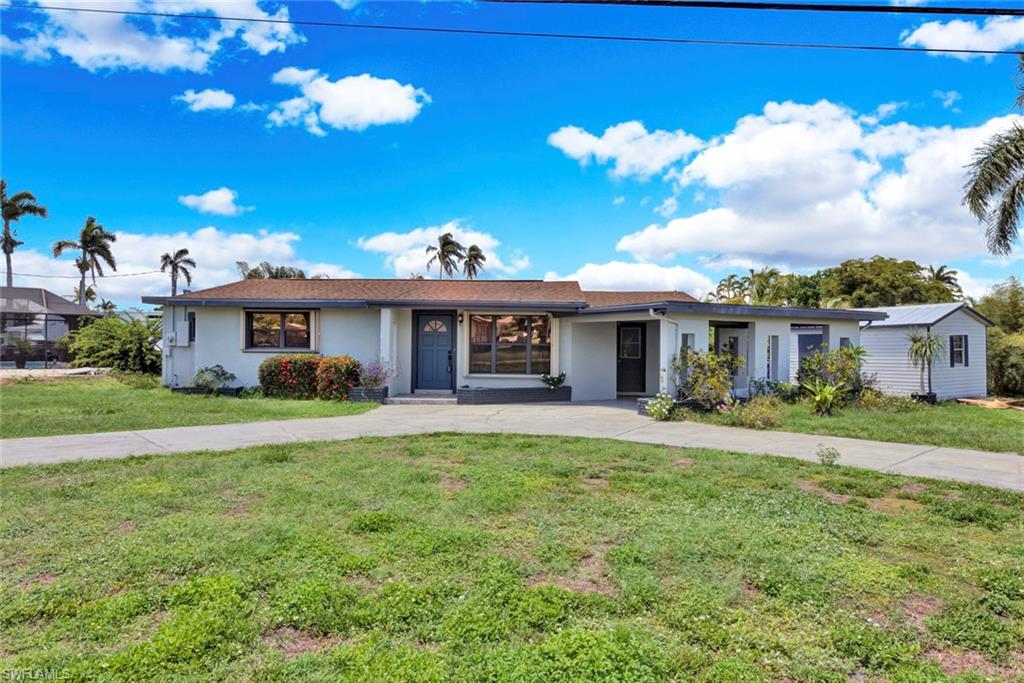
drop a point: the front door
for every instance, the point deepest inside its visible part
(435, 351)
(632, 365)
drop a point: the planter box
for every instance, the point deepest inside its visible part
(689, 404)
(477, 396)
(364, 395)
(226, 391)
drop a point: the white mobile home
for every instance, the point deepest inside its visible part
(959, 373)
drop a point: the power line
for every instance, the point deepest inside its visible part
(791, 6)
(527, 34)
(78, 277)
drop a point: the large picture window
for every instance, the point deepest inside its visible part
(277, 330)
(509, 344)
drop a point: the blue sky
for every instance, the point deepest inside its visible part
(624, 165)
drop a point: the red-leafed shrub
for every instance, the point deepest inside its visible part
(290, 376)
(336, 376)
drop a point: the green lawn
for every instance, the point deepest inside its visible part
(945, 424)
(77, 406)
(504, 557)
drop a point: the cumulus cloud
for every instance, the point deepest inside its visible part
(810, 184)
(220, 202)
(405, 252)
(634, 151)
(996, 33)
(214, 250)
(98, 41)
(350, 103)
(948, 98)
(211, 98)
(621, 275)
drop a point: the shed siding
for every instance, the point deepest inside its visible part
(888, 362)
(961, 382)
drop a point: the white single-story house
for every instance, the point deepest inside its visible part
(960, 373)
(450, 335)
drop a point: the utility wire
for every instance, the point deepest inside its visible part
(792, 6)
(78, 277)
(525, 34)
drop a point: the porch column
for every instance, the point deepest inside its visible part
(387, 344)
(668, 344)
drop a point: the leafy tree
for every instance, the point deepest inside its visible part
(1004, 305)
(802, 291)
(178, 263)
(764, 287)
(924, 348)
(265, 271)
(473, 262)
(113, 342)
(446, 254)
(94, 243)
(14, 208)
(1005, 363)
(880, 281)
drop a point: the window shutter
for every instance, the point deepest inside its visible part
(952, 362)
(967, 360)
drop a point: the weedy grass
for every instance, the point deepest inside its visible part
(554, 559)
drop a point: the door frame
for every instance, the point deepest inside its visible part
(416, 344)
(643, 355)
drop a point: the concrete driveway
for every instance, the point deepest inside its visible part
(610, 420)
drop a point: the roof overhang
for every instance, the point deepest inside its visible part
(963, 307)
(701, 307)
(558, 306)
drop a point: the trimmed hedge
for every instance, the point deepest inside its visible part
(335, 376)
(307, 376)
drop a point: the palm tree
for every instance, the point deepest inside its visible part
(14, 207)
(946, 277)
(446, 254)
(994, 191)
(90, 294)
(107, 307)
(924, 348)
(179, 263)
(265, 271)
(473, 262)
(764, 287)
(94, 243)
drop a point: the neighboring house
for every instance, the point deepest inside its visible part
(32, 321)
(446, 335)
(959, 373)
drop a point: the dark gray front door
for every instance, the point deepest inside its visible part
(435, 351)
(632, 365)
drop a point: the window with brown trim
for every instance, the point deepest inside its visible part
(277, 330)
(509, 344)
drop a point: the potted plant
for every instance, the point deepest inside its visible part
(373, 378)
(22, 352)
(924, 348)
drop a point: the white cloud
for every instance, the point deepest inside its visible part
(809, 185)
(350, 103)
(406, 251)
(215, 252)
(975, 287)
(220, 202)
(634, 151)
(996, 33)
(667, 207)
(949, 98)
(618, 201)
(346, 4)
(620, 275)
(882, 112)
(98, 41)
(210, 98)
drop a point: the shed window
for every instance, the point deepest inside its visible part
(509, 344)
(277, 330)
(958, 350)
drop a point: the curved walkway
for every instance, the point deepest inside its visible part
(616, 421)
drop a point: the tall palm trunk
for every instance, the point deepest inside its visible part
(81, 289)
(174, 282)
(7, 256)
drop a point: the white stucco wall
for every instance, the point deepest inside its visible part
(591, 371)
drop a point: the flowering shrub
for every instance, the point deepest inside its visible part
(660, 407)
(706, 377)
(375, 374)
(290, 376)
(760, 412)
(335, 376)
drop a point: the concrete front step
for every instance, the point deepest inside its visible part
(447, 399)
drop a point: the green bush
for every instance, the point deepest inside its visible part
(113, 342)
(872, 399)
(825, 398)
(1005, 363)
(212, 379)
(839, 367)
(706, 377)
(335, 376)
(289, 376)
(660, 407)
(760, 412)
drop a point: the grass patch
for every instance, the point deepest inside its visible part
(86, 405)
(946, 424)
(357, 561)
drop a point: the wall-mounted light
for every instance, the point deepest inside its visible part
(460, 318)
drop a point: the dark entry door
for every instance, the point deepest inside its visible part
(435, 351)
(632, 365)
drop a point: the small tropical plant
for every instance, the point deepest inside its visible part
(840, 366)
(213, 378)
(761, 412)
(706, 377)
(825, 398)
(660, 407)
(553, 381)
(827, 455)
(924, 348)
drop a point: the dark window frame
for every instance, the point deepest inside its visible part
(282, 330)
(190, 317)
(493, 343)
(953, 351)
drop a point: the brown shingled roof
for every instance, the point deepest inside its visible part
(379, 290)
(606, 299)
